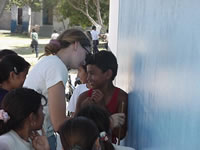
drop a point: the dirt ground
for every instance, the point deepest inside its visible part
(21, 44)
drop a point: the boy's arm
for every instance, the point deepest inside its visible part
(123, 98)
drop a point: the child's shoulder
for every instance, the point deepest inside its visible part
(122, 92)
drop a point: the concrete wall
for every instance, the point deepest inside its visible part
(5, 20)
(158, 50)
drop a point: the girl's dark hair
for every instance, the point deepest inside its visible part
(65, 39)
(78, 133)
(19, 104)
(12, 63)
(104, 60)
(6, 52)
(100, 117)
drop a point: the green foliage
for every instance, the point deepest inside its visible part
(77, 17)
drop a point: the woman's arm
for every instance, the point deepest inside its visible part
(57, 105)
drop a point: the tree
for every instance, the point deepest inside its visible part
(85, 12)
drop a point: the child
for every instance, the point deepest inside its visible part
(13, 73)
(101, 118)
(79, 133)
(102, 69)
(34, 42)
(20, 117)
(82, 74)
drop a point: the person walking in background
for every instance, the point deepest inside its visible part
(95, 39)
(49, 76)
(54, 35)
(34, 42)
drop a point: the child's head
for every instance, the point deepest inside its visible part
(13, 70)
(73, 42)
(101, 66)
(82, 74)
(93, 27)
(5, 52)
(22, 106)
(79, 133)
(101, 118)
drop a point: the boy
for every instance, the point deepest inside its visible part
(102, 69)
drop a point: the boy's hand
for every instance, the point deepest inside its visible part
(117, 120)
(97, 96)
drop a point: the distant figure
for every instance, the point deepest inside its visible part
(34, 42)
(95, 39)
(106, 39)
(54, 35)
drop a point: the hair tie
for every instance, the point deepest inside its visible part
(4, 116)
(56, 43)
(103, 136)
(15, 70)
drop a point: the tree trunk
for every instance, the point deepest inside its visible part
(2, 6)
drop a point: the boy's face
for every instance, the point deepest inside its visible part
(96, 78)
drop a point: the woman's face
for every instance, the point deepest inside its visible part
(78, 57)
(82, 74)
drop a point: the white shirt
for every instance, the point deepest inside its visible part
(119, 147)
(12, 141)
(94, 34)
(73, 100)
(46, 73)
(54, 36)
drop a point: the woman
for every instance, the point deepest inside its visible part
(49, 76)
(20, 118)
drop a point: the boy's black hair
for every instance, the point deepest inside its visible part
(104, 60)
(93, 27)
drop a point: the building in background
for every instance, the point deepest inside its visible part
(23, 20)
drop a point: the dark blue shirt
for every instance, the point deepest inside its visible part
(3, 92)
